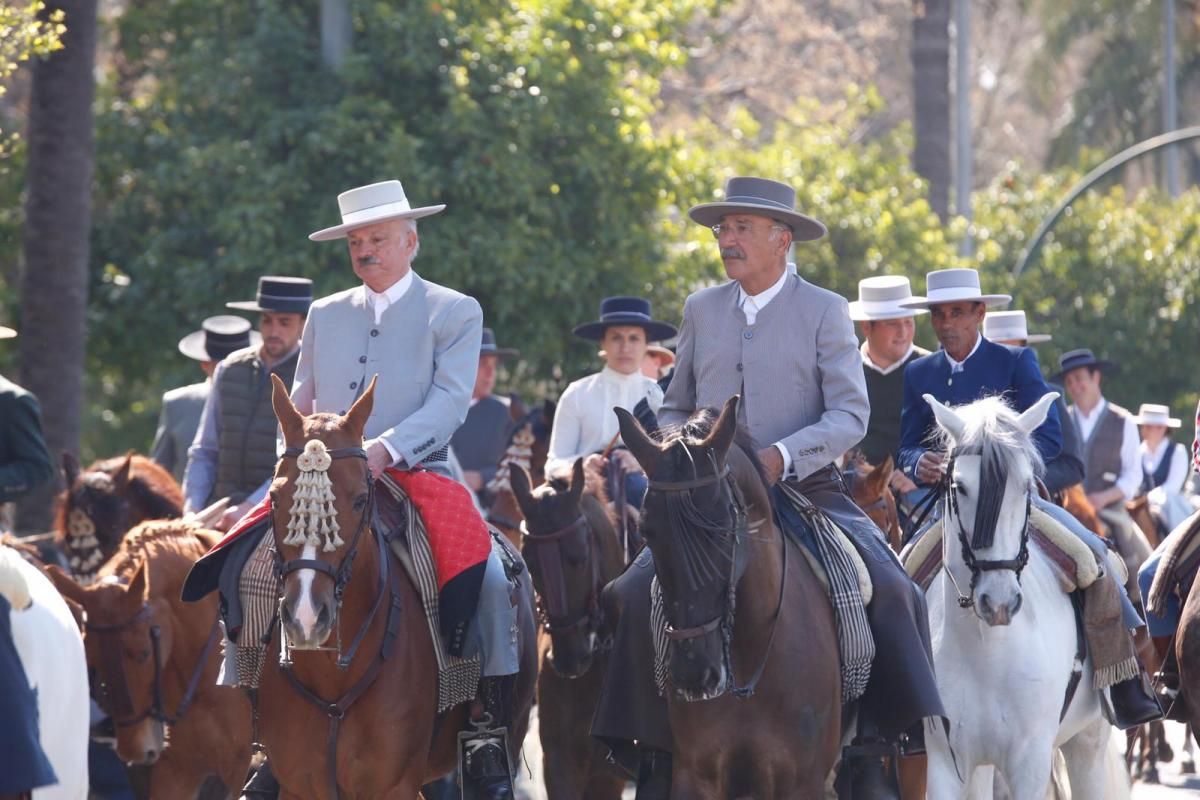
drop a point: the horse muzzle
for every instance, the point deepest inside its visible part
(996, 613)
(695, 672)
(307, 624)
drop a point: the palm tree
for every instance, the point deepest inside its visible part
(58, 208)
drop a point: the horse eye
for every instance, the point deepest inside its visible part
(960, 489)
(360, 502)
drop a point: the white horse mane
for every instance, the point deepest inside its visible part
(991, 426)
(12, 582)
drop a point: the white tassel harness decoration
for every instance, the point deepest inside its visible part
(313, 515)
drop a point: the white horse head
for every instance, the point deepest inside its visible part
(994, 463)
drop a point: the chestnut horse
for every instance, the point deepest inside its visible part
(741, 603)
(100, 504)
(357, 718)
(871, 491)
(1075, 502)
(1143, 517)
(572, 549)
(155, 661)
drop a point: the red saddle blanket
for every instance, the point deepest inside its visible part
(458, 538)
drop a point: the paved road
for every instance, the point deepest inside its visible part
(1174, 786)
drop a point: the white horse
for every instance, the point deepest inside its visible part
(1004, 639)
(48, 642)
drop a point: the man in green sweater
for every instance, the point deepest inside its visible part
(887, 348)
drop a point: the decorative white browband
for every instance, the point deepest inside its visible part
(313, 515)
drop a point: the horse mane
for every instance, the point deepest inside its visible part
(148, 539)
(699, 425)
(990, 429)
(13, 585)
(149, 484)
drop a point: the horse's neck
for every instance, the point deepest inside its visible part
(758, 590)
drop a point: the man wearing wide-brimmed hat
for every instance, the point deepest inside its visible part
(182, 408)
(24, 460)
(1065, 469)
(888, 330)
(968, 368)
(1112, 464)
(584, 425)
(787, 348)
(233, 454)
(481, 440)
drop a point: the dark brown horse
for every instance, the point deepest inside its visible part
(572, 550)
(100, 504)
(155, 659)
(741, 605)
(870, 489)
(358, 717)
(1187, 651)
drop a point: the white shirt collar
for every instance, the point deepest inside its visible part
(761, 299)
(381, 301)
(610, 374)
(869, 364)
(1097, 410)
(957, 366)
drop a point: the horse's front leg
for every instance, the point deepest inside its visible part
(1086, 753)
(946, 772)
(1028, 769)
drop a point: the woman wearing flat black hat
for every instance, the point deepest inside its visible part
(584, 423)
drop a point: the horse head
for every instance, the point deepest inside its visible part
(870, 489)
(322, 505)
(128, 640)
(695, 519)
(100, 504)
(992, 466)
(571, 548)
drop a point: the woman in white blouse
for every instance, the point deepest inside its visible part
(1164, 465)
(584, 423)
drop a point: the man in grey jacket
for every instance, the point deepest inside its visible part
(421, 342)
(788, 348)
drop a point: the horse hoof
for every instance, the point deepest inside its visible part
(1165, 754)
(1187, 768)
(1150, 776)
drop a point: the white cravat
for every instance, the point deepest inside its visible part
(751, 305)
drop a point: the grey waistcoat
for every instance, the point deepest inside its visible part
(1102, 451)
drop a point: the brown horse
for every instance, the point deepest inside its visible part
(870, 489)
(1139, 509)
(358, 718)
(740, 602)
(155, 660)
(1187, 651)
(572, 550)
(1075, 502)
(100, 504)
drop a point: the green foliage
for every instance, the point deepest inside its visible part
(1119, 274)
(223, 141)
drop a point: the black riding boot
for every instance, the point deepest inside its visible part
(1167, 681)
(654, 774)
(1133, 703)
(262, 784)
(868, 770)
(485, 769)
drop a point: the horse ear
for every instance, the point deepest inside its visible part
(522, 489)
(139, 586)
(952, 422)
(65, 584)
(644, 449)
(71, 468)
(880, 476)
(577, 481)
(720, 439)
(121, 476)
(1035, 415)
(291, 421)
(360, 412)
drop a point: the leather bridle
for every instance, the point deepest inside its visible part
(552, 601)
(340, 575)
(110, 649)
(976, 565)
(739, 529)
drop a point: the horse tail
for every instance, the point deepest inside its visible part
(13, 585)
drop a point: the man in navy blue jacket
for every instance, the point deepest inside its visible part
(966, 369)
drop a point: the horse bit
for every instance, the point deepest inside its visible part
(978, 566)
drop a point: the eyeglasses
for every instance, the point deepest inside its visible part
(741, 229)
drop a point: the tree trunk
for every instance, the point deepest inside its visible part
(931, 99)
(58, 217)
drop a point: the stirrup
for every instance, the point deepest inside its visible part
(483, 759)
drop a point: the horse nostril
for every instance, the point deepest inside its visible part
(323, 616)
(985, 603)
(285, 614)
(1017, 605)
